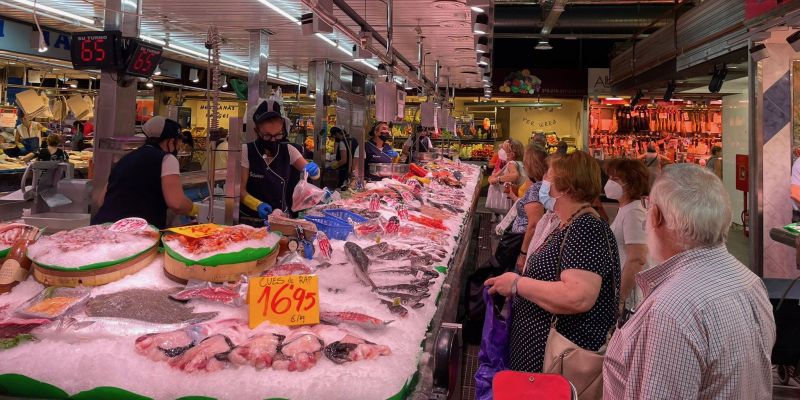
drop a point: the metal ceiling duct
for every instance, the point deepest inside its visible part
(608, 18)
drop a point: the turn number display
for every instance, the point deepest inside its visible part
(284, 300)
(143, 60)
(95, 50)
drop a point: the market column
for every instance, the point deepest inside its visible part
(116, 104)
(317, 82)
(257, 86)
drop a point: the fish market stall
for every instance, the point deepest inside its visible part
(387, 281)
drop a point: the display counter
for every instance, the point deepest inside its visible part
(101, 362)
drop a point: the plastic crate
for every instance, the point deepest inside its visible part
(344, 215)
(333, 227)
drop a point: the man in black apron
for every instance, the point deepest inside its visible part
(146, 182)
(268, 164)
(421, 139)
(344, 148)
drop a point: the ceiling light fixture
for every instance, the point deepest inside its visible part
(280, 11)
(333, 44)
(482, 46)
(153, 40)
(157, 71)
(483, 60)
(224, 81)
(73, 84)
(149, 84)
(42, 43)
(543, 45)
(193, 75)
(486, 78)
(481, 25)
(56, 11)
(368, 64)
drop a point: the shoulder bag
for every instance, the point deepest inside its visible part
(583, 368)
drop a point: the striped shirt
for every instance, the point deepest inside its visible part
(705, 330)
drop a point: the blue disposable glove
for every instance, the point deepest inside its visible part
(264, 210)
(312, 168)
(392, 153)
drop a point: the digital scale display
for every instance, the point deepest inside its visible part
(95, 50)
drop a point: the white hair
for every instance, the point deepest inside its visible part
(694, 205)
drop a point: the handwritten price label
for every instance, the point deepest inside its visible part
(197, 231)
(284, 300)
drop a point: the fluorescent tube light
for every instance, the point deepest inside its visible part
(56, 11)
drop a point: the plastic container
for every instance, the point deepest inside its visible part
(333, 227)
(344, 215)
(53, 302)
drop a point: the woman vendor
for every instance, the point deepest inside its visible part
(51, 152)
(28, 136)
(146, 182)
(420, 139)
(377, 150)
(267, 165)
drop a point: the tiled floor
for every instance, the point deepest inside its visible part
(738, 245)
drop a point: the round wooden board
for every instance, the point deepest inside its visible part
(94, 277)
(180, 272)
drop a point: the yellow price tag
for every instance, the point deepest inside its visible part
(284, 300)
(197, 231)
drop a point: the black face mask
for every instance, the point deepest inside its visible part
(268, 146)
(384, 137)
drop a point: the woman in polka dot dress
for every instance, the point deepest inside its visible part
(574, 275)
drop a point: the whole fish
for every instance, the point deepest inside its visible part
(146, 305)
(76, 329)
(377, 249)
(360, 262)
(404, 299)
(395, 308)
(403, 288)
(352, 318)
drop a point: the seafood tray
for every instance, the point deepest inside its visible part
(53, 302)
(388, 169)
(335, 228)
(93, 277)
(179, 272)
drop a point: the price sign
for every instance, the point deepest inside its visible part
(284, 300)
(95, 50)
(143, 59)
(197, 231)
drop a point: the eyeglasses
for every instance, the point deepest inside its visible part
(272, 138)
(646, 202)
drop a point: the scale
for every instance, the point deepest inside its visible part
(59, 201)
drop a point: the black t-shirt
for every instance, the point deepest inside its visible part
(590, 245)
(44, 155)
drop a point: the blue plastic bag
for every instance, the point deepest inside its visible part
(493, 355)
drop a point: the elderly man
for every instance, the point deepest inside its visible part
(705, 329)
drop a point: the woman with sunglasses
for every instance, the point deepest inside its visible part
(267, 179)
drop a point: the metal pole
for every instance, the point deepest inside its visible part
(257, 86)
(389, 32)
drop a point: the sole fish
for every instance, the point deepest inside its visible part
(145, 305)
(360, 262)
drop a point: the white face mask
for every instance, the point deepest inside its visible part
(613, 190)
(502, 155)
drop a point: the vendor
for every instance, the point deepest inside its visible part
(267, 164)
(146, 182)
(377, 150)
(28, 135)
(51, 152)
(420, 139)
(344, 147)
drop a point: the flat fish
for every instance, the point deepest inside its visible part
(360, 262)
(75, 329)
(377, 249)
(154, 306)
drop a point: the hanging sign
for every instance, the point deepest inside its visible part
(284, 300)
(8, 118)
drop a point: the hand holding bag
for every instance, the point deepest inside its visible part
(496, 199)
(583, 368)
(493, 355)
